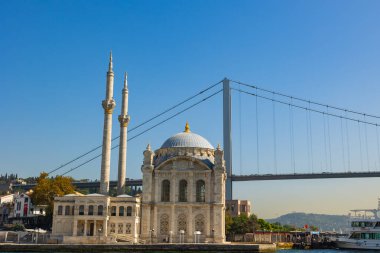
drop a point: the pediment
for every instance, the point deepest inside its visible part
(184, 163)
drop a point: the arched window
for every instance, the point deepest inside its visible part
(182, 222)
(121, 211)
(201, 191)
(199, 223)
(81, 210)
(129, 211)
(128, 228)
(182, 191)
(60, 208)
(164, 224)
(165, 191)
(113, 211)
(100, 210)
(90, 210)
(67, 210)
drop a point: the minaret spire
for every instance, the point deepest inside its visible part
(110, 64)
(124, 121)
(108, 106)
(125, 80)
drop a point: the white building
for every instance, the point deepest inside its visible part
(184, 191)
(96, 218)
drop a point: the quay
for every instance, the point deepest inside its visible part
(11, 247)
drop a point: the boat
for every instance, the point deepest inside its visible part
(364, 230)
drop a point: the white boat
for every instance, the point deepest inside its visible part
(364, 231)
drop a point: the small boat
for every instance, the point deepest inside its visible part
(364, 231)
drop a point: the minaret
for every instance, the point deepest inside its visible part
(124, 121)
(108, 105)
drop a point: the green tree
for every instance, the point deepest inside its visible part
(228, 223)
(48, 188)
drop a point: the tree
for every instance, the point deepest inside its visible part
(48, 188)
(228, 223)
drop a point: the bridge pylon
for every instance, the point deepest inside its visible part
(227, 137)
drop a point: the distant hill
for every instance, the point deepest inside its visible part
(322, 221)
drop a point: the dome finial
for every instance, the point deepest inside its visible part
(187, 127)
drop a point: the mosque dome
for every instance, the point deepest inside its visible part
(187, 139)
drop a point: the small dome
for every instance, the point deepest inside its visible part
(187, 139)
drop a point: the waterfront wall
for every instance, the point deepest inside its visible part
(136, 248)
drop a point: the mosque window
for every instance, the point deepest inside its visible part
(100, 210)
(81, 210)
(120, 228)
(67, 210)
(90, 210)
(182, 191)
(129, 211)
(128, 228)
(164, 224)
(199, 223)
(182, 223)
(60, 210)
(165, 191)
(201, 191)
(113, 211)
(72, 210)
(121, 211)
(112, 229)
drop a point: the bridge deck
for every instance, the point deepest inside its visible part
(236, 178)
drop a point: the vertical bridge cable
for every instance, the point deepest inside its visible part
(291, 134)
(308, 139)
(378, 146)
(360, 147)
(348, 144)
(240, 134)
(274, 135)
(328, 135)
(257, 137)
(325, 141)
(311, 140)
(366, 144)
(341, 134)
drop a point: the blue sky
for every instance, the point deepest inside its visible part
(54, 57)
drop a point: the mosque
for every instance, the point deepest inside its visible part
(183, 192)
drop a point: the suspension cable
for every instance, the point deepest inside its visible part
(138, 126)
(348, 145)
(305, 108)
(342, 138)
(325, 141)
(257, 138)
(328, 135)
(311, 140)
(308, 140)
(378, 147)
(360, 147)
(274, 135)
(148, 129)
(307, 101)
(291, 128)
(366, 145)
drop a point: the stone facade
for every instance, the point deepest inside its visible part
(96, 218)
(184, 192)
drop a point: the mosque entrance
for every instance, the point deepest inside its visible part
(91, 229)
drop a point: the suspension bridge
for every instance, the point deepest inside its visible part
(313, 140)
